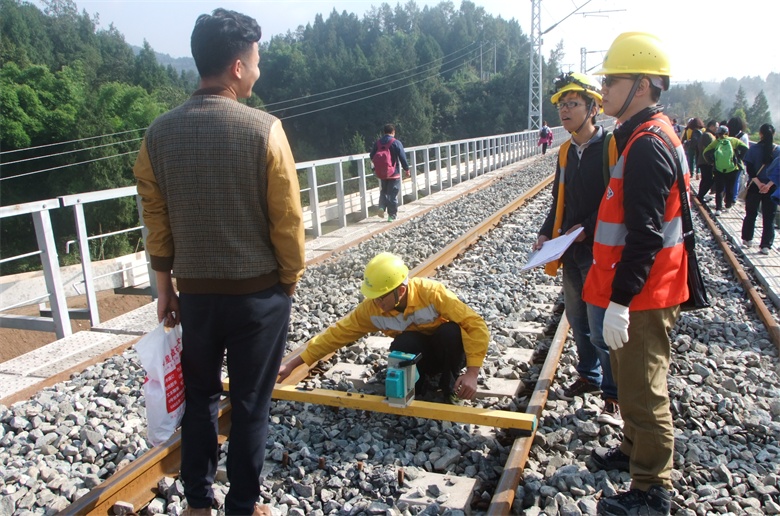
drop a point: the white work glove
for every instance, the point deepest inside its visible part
(615, 329)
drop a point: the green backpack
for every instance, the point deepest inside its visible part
(724, 157)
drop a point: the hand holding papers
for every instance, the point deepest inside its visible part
(552, 249)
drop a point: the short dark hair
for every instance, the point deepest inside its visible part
(220, 38)
(389, 128)
(712, 123)
(655, 91)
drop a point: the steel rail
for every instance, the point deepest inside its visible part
(136, 483)
(504, 494)
(762, 310)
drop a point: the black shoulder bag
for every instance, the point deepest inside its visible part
(697, 293)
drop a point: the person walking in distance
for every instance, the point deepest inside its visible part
(638, 276)
(388, 157)
(760, 189)
(545, 137)
(580, 181)
(725, 154)
(221, 202)
(706, 169)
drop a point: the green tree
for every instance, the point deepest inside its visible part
(758, 113)
(715, 112)
(740, 103)
(148, 73)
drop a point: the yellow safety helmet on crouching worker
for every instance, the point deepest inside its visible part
(637, 53)
(384, 273)
(576, 81)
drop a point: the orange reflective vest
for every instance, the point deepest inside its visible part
(609, 159)
(666, 284)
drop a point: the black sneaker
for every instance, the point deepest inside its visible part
(577, 388)
(612, 459)
(655, 501)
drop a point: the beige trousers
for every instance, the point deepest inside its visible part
(640, 369)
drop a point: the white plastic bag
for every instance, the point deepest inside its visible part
(160, 354)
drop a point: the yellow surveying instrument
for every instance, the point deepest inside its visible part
(402, 374)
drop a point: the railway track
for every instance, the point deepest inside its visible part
(137, 483)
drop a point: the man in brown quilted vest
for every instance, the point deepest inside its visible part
(220, 198)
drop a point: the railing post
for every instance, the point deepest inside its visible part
(363, 189)
(438, 168)
(86, 264)
(427, 169)
(481, 143)
(340, 201)
(314, 202)
(458, 163)
(413, 167)
(51, 273)
(477, 170)
(449, 165)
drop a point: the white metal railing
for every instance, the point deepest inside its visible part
(432, 168)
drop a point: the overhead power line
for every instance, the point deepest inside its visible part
(71, 141)
(384, 84)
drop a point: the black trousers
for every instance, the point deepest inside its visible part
(706, 181)
(442, 352)
(252, 329)
(753, 201)
(724, 188)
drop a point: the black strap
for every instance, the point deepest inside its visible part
(605, 157)
(687, 221)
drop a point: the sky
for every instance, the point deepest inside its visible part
(167, 25)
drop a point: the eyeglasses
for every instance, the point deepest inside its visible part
(609, 80)
(570, 104)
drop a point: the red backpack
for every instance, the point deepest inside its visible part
(383, 160)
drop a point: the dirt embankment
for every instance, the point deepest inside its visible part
(18, 342)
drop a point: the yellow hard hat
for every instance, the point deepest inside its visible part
(383, 274)
(637, 53)
(576, 81)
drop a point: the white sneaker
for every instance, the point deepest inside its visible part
(718, 212)
(764, 250)
(747, 243)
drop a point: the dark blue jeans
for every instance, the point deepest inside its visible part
(388, 195)
(442, 352)
(252, 329)
(592, 352)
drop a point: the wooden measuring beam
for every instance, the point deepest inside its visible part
(426, 409)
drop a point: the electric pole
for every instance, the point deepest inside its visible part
(535, 75)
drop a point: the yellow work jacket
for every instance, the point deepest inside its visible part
(429, 305)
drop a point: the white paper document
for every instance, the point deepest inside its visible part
(551, 250)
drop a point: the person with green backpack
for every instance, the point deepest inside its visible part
(725, 154)
(581, 176)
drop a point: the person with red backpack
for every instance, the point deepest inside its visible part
(387, 155)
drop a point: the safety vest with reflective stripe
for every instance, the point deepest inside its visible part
(666, 283)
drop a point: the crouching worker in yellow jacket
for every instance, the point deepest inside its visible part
(422, 317)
